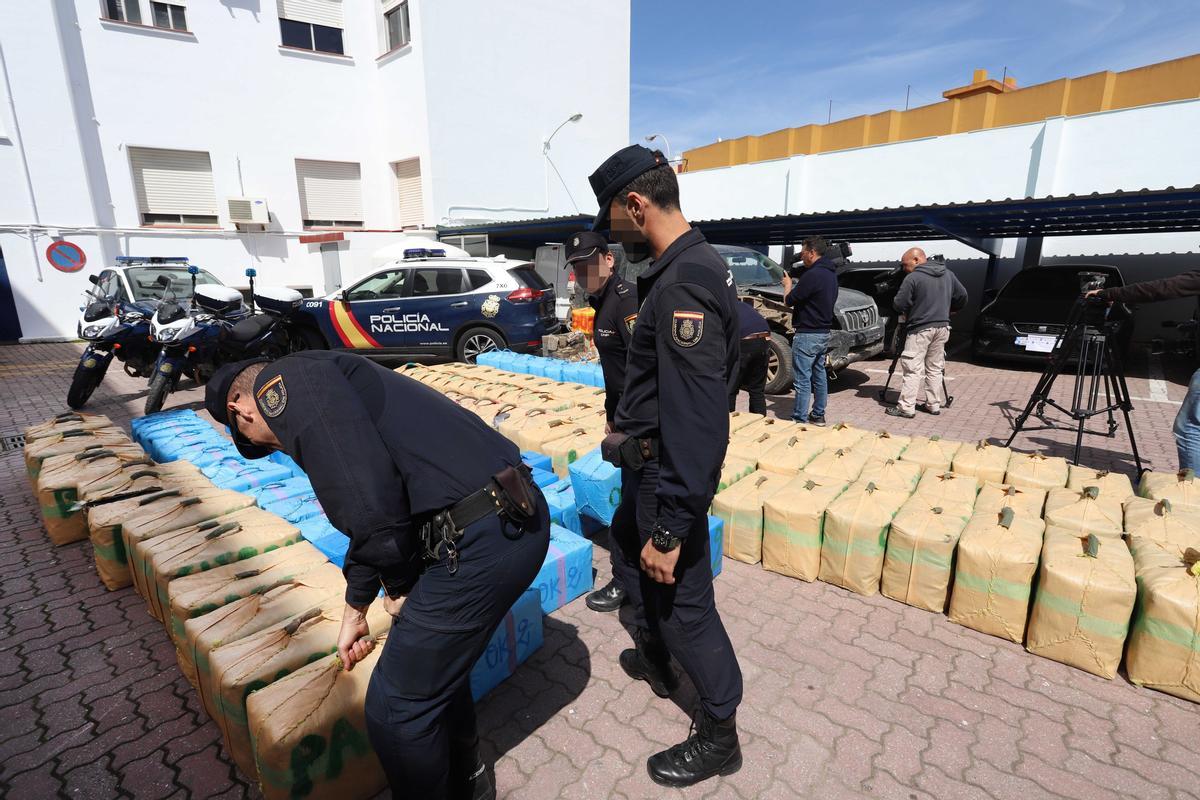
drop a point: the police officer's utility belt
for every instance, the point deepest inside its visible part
(623, 450)
(511, 494)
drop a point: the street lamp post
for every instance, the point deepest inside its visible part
(572, 118)
(654, 136)
(551, 165)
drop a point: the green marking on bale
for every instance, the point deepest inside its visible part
(922, 556)
(1009, 589)
(1177, 635)
(246, 552)
(1074, 608)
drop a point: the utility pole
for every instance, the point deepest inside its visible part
(829, 116)
(907, 92)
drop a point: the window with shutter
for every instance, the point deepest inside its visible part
(311, 25)
(173, 187)
(330, 193)
(408, 192)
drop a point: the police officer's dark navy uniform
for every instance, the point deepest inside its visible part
(752, 364)
(387, 458)
(683, 354)
(615, 304)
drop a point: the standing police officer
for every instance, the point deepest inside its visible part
(671, 429)
(615, 302)
(437, 506)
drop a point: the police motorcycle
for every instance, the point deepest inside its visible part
(217, 328)
(112, 329)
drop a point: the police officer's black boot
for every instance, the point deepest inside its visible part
(608, 598)
(649, 661)
(712, 748)
(469, 779)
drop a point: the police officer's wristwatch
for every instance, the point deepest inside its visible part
(664, 541)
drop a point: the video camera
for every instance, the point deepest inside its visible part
(837, 252)
(1092, 281)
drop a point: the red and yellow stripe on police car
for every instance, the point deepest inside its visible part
(348, 328)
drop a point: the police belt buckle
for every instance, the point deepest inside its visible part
(509, 494)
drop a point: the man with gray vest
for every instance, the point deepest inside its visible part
(927, 297)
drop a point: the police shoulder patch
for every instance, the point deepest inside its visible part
(630, 321)
(687, 327)
(272, 397)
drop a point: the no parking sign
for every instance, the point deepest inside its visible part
(66, 256)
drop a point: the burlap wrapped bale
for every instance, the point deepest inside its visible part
(201, 594)
(1181, 488)
(843, 436)
(539, 432)
(994, 497)
(732, 471)
(920, 552)
(1112, 484)
(248, 615)
(753, 448)
(243, 666)
(1036, 471)
(793, 522)
(740, 419)
(789, 456)
(997, 557)
(1161, 521)
(71, 441)
(763, 425)
(984, 460)
(949, 490)
(61, 477)
(566, 450)
(1085, 511)
(881, 445)
(309, 733)
(740, 508)
(112, 527)
(67, 421)
(841, 464)
(1085, 594)
(931, 452)
(900, 476)
(856, 529)
(231, 537)
(1164, 643)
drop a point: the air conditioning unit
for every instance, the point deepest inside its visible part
(245, 211)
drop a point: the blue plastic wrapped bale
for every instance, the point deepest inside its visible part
(716, 541)
(285, 460)
(596, 376)
(280, 491)
(518, 637)
(567, 571)
(201, 454)
(543, 478)
(536, 460)
(316, 527)
(167, 445)
(597, 486)
(563, 511)
(553, 368)
(161, 426)
(333, 546)
(239, 475)
(490, 359)
(578, 372)
(295, 509)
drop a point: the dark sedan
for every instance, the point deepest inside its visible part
(1029, 313)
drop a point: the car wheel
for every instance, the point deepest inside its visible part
(303, 338)
(476, 341)
(780, 373)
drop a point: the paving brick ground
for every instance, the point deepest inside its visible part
(845, 696)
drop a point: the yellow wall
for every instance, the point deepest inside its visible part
(1101, 91)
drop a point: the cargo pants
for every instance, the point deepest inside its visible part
(683, 616)
(419, 710)
(923, 361)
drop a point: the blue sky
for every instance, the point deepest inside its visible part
(703, 69)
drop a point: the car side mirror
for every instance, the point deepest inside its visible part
(163, 281)
(344, 295)
(95, 281)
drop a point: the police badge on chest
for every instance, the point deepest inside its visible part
(687, 327)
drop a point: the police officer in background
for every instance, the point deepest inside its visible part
(752, 364)
(438, 508)
(669, 436)
(615, 302)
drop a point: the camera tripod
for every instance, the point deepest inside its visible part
(901, 338)
(1097, 364)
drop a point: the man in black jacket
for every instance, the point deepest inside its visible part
(669, 437)
(752, 365)
(812, 299)
(927, 297)
(437, 508)
(1187, 421)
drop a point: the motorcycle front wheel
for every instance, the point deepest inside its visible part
(83, 384)
(160, 387)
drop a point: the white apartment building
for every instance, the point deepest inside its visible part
(138, 127)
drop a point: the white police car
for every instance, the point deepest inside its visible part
(427, 306)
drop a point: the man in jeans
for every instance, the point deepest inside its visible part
(925, 300)
(812, 298)
(1187, 421)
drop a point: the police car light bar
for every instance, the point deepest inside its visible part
(423, 252)
(152, 259)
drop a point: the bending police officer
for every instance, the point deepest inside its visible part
(615, 302)
(671, 430)
(438, 508)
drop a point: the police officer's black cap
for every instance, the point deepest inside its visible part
(216, 397)
(584, 245)
(616, 173)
